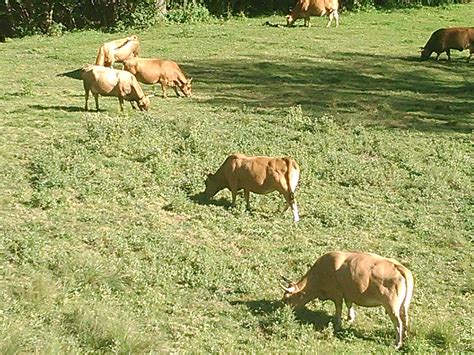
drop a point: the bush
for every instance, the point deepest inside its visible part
(190, 13)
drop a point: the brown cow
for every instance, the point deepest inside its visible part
(117, 51)
(445, 39)
(306, 8)
(257, 174)
(112, 82)
(365, 279)
(165, 72)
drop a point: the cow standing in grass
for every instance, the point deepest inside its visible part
(445, 39)
(112, 82)
(258, 174)
(165, 72)
(365, 279)
(117, 51)
(306, 8)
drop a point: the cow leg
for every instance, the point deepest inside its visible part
(437, 56)
(86, 94)
(96, 98)
(176, 91)
(471, 52)
(448, 53)
(404, 318)
(338, 314)
(350, 311)
(336, 16)
(163, 90)
(397, 323)
(233, 190)
(121, 103)
(404, 313)
(331, 15)
(247, 199)
(133, 106)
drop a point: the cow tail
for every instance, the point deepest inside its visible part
(409, 283)
(292, 176)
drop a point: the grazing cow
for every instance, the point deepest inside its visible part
(117, 51)
(445, 39)
(364, 279)
(112, 82)
(256, 174)
(165, 72)
(306, 8)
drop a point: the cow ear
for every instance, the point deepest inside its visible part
(189, 80)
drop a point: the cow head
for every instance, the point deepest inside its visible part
(212, 186)
(293, 296)
(144, 103)
(130, 65)
(186, 88)
(425, 53)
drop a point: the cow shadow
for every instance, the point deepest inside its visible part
(270, 24)
(201, 199)
(264, 308)
(397, 91)
(348, 333)
(58, 108)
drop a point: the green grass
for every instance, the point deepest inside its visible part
(106, 247)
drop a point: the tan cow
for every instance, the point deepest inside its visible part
(365, 279)
(445, 39)
(306, 8)
(112, 82)
(117, 51)
(257, 174)
(165, 72)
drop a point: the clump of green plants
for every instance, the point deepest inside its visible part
(189, 14)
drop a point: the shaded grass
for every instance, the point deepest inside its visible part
(108, 246)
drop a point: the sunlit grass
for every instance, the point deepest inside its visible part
(106, 245)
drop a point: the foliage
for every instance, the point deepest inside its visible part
(189, 14)
(26, 17)
(107, 246)
(53, 17)
(390, 4)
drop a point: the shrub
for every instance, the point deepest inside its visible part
(190, 13)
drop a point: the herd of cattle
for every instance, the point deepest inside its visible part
(364, 279)
(103, 79)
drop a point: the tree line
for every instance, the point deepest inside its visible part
(22, 17)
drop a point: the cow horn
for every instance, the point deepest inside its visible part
(287, 280)
(290, 289)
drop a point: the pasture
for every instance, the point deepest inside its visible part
(106, 245)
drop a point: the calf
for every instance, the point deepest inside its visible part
(117, 51)
(445, 39)
(112, 82)
(306, 8)
(364, 279)
(256, 174)
(165, 72)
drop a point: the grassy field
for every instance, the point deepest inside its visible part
(106, 246)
